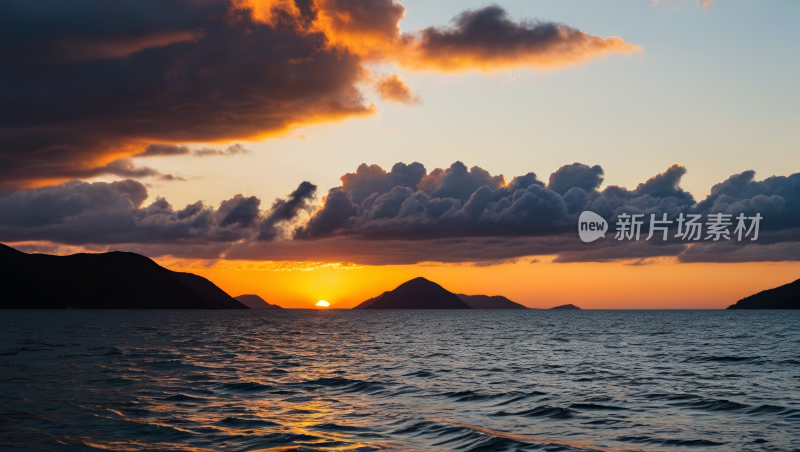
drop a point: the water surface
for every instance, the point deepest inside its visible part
(400, 380)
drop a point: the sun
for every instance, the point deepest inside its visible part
(322, 304)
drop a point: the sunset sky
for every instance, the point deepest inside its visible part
(253, 143)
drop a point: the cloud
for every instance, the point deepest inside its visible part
(100, 213)
(159, 150)
(393, 88)
(65, 118)
(126, 168)
(408, 215)
(488, 39)
(85, 86)
(122, 46)
(484, 39)
(284, 211)
(576, 175)
(706, 4)
(369, 179)
(458, 182)
(678, 4)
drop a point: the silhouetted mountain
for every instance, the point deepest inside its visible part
(566, 306)
(114, 280)
(255, 302)
(418, 293)
(364, 304)
(489, 302)
(786, 296)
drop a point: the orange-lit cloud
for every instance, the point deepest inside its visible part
(393, 88)
(705, 4)
(485, 39)
(678, 4)
(77, 98)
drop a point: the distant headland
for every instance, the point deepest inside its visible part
(113, 280)
(786, 296)
(255, 302)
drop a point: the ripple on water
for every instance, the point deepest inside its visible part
(355, 380)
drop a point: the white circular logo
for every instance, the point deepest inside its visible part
(591, 226)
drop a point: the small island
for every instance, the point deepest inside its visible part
(420, 293)
(255, 302)
(567, 306)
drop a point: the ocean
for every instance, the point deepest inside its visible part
(358, 380)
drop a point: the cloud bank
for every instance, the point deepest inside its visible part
(88, 83)
(410, 215)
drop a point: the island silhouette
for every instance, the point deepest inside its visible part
(567, 306)
(489, 302)
(255, 302)
(786, 296)
(420, 293)
(115, 280)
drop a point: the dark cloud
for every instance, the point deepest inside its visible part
(336, 211)
(62, 116)
(160, 150)
(460, 203)
(369, 179)
(407, 215)
(82, 213)
(285, 210)
(577, 175)
(487, 38)
(88, 82)
(126, 168)
(458, 182)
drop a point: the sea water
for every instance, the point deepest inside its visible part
(399, 380)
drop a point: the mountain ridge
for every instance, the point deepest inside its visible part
(417, 293)
(114, 280)
(255, 302)
(489, 302)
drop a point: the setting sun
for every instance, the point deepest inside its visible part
(322, 304)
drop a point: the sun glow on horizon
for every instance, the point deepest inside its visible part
(322, 304)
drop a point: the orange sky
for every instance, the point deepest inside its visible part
(664, 285)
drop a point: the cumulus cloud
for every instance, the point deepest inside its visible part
(283, 211)
(409, 215)
(576, 175)
(84, 86)
(100, 213)
(467, 204)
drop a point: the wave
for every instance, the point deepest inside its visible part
(235, 422)
(241, 387)
(593, 406)
(542, 411)
(724, 359)
(669, 442)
